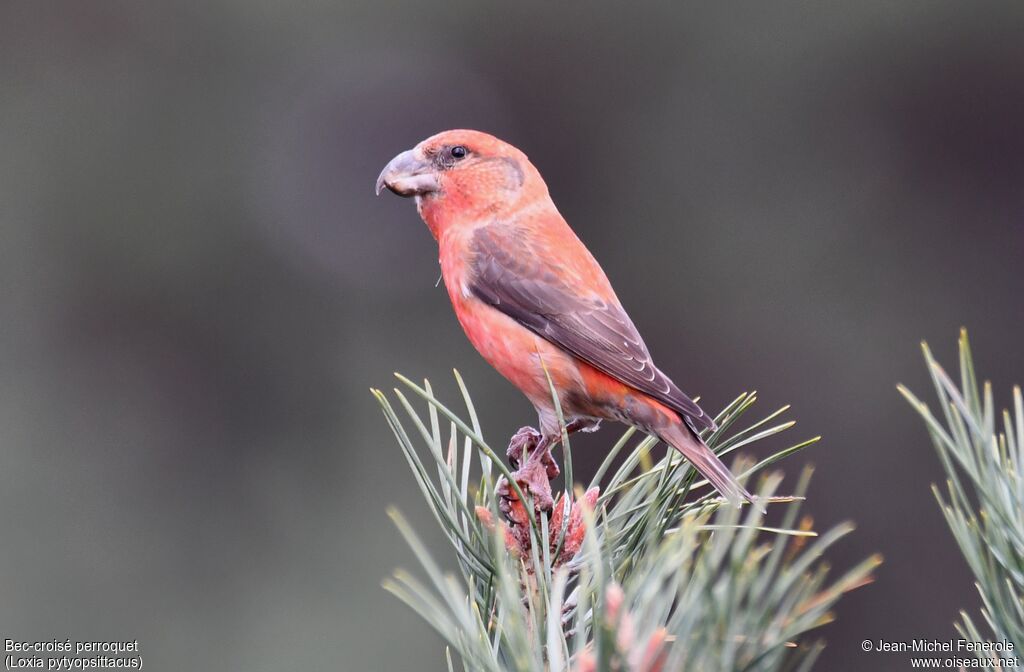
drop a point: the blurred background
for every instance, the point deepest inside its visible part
(198, 287)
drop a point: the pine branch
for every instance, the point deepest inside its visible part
(983, 500)
(653, 573)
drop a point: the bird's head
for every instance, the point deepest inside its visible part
(461, 171)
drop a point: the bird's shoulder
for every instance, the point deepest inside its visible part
(550, 284)
(541, 248)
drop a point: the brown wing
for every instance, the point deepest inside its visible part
(516, 278)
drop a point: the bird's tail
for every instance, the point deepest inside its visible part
(679, 436)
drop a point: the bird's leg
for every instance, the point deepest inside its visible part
(530, 454)
(544, 455)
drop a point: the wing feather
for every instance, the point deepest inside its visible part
(516, 279)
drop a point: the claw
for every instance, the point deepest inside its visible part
(533, 479)
(518, 527)
(522, 443)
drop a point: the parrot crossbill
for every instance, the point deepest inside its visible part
(531, 298)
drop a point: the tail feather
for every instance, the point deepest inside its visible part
(707, 463)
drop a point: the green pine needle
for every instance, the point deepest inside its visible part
(666, 573)
(983, 498)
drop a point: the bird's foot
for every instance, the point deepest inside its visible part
(521, 445)
(542, 455)
(529, 453)
(532, 479)
(528, 446)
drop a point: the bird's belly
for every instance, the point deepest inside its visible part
(518, 354)
(583, 391)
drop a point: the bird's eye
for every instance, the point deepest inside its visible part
(459, 152)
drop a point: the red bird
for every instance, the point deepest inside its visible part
(530, 296)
